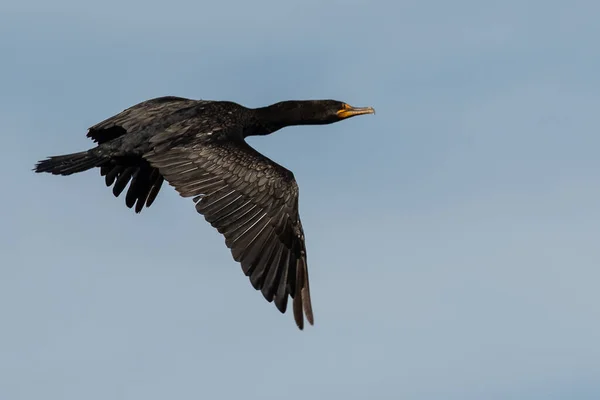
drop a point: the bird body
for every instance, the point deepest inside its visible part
(198, 147)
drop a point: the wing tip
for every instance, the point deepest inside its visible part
(302, 302)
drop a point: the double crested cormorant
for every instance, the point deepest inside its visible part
(198, 147)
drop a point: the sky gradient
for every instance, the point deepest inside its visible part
(453, 238)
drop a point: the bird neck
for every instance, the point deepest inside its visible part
(276, 116)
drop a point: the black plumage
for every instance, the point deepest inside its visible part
(198, 147)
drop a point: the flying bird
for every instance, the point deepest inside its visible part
(198, 147)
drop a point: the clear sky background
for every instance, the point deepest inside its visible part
(453, 238)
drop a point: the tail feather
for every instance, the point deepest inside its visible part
(144, 181)
(70, 163)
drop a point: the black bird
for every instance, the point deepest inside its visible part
(198, 147)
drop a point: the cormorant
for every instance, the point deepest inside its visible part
(198, 147)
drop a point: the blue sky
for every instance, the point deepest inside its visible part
(452, 237)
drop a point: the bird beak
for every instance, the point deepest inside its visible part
(349, 111)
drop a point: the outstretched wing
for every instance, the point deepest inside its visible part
(137, 117)
(253, 203)
(144, 181)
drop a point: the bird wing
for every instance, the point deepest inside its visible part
(138, 117)
(145, 180)
(253, 202)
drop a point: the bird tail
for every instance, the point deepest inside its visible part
(70, 163)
